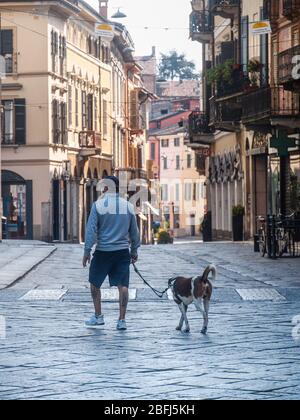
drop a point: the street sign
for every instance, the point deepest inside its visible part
(282, 143)
(261, 28)
(105, 31)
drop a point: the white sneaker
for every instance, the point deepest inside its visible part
(95, 322)
(121, 325)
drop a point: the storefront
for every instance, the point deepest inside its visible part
(17, 205)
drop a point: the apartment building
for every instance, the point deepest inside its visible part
(249, 118)
(183, 193)
(69, 115)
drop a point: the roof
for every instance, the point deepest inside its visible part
(172, 130)
(168, 116)
(183, 88)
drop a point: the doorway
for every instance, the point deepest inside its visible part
(17, 205)
(260, 186)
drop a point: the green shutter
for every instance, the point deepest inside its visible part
(7, 41)
(20, 121)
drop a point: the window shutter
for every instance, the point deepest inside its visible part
(134, 110)
(245, 43)
(20, 121)
(63, 111)
(264, 54)
(90, 112)
(84, 109)
(7, 41)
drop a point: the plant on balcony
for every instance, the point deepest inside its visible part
(254, 68)
(228, 77)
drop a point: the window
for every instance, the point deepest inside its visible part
(153, 151)
(70, 110)
(164, 112)
(90, 115)
(96, 113)
(59, 122)
(7, 49)
(63, 122)
(55, 122)
(62, 54)
(177, 142)
(188, 192)
(54, 51)
(177, 192)
(177, 163)
(165, 192)
(165, 163)
(14, 122)
(189, 161)
(165, 143)
(76, 107)
(195, 191)
(245, 43)
(83, 109)
(105, 119)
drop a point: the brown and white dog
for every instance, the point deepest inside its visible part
(196, 290)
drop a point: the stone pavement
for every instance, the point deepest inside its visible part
(18, 258)
(251, 351)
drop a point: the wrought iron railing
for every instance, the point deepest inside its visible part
(291, 8)
(286, 65)
(89, 140)
(269, 102)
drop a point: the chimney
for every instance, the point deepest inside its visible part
(103, 8)
(153, 51)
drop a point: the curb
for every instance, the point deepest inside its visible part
(18, 279)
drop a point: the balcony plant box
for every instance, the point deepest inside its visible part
(238, 214)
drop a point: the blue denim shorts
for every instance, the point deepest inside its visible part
(114, 264)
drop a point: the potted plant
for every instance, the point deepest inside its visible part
(228, 77)
(164, 237)
(238, 213)
(254, 68)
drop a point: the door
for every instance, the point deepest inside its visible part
(260, 186)
(56, 203)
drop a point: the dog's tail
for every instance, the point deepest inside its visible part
(210, 269)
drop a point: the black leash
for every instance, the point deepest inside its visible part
(158, 293)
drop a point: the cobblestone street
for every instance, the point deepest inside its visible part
(249, 353)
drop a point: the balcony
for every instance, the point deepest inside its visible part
(291, 9)
(225, 113)
(89, 143)
(225, 8)
(270, 105)
(200, 132)
(201, 28)
(271, 12)
(286, 68)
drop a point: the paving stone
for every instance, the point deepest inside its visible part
(260, 294)
(249, 352)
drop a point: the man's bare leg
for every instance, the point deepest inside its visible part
(124, 297)
(96, 295)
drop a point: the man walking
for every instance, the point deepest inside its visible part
(112, 226)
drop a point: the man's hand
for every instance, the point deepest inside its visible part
(134, 258)
(86, 260)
